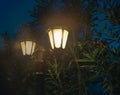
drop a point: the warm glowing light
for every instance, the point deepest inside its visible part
(51, 39)
(57, 33)
(28, 47)
(33, 48)
(65, 36)
(23, 47)
(58, 38)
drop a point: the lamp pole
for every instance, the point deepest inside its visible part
(28, 49)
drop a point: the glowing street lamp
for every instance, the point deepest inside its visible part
(58, 37)
(28, 47)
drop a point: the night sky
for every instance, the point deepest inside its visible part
(13, 13)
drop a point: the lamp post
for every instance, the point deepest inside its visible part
(28, 48)
(58, 37)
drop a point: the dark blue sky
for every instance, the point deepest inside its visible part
(13, 13)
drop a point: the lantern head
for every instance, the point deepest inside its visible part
(58, 37)
(28, 47)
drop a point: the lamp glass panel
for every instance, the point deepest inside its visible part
(57, 33)
(28, 47)
(64, 40)
(33, 48)
(51, 39)
(23, 47)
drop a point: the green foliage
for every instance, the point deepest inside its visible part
(61, 81)
(105, 22)
(66, 76)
